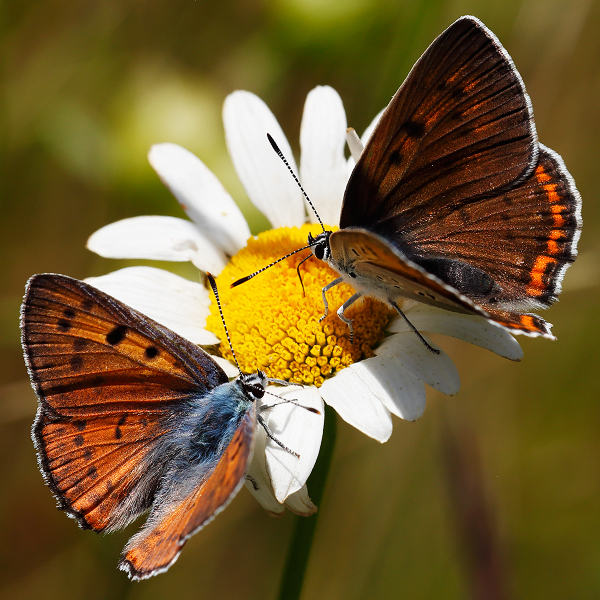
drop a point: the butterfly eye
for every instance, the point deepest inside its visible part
(319, 251)
(257, 391)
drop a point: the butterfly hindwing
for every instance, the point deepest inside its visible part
(460, 125)
(184, 507)
(102, 470)
(524, 238)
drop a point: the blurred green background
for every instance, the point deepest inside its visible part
(494, 493)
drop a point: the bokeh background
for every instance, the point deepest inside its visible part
(494, 493)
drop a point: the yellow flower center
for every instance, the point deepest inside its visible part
(275, 328)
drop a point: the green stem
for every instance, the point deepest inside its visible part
(304, 531)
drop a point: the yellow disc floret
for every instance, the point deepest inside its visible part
(275, 328)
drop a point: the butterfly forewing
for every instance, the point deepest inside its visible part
(372, 261)
(88, 353)
(173, 520)
(460, 125)
(385, 273)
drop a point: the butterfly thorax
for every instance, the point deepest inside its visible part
(214, 419)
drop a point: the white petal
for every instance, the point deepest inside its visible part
(230, 369)
(157, 238)
(355, 144)
(298, 429)
(323, 165)
(301, 504)
(351, 397)
(201, 195)
(437, 370)
(173, 301)
(398, 389)
(469, 328)
(259, 482)
(268, 183)
(364, 139)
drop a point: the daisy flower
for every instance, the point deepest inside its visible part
(274, 326)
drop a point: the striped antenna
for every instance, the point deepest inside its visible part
(244, 279)
(213, 285)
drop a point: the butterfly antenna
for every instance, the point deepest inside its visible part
(287, 164)
(213, 285)
(244, 279)
(288, 401)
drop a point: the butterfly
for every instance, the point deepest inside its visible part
(132, 417)
(454, 202)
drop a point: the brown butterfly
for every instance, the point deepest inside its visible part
(453, 201)
(132, 417)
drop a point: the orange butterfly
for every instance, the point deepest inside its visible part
(132, 417)
(454, 202)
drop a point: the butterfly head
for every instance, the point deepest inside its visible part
(254, 384)
(319, 245)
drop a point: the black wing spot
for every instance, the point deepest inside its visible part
(92, 473)
(78, 439)
(64, 325)
(414, 129)
(122, 420)
(69, 313)
(395, 158)
(76, 362)
(88, 453)
(80, 424)
(117, 335)
(118, 433)
(151, 352)
(87, 304)
(354, 251)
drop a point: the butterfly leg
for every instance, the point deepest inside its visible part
(342, 309)
(300, 276)
(324, 292)
(272, 437)
(413, 328)
(283, 382)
